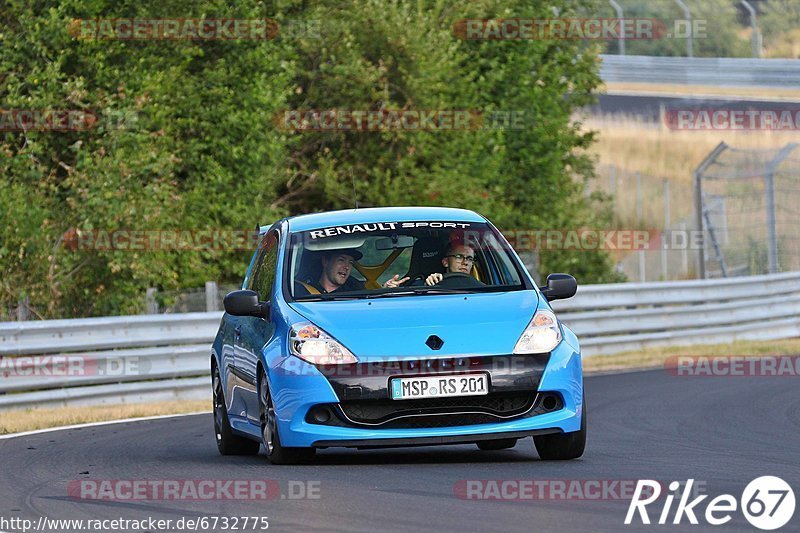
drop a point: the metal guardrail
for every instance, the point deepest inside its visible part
(108, 360)
(708, 71)
(166, 357)
(631, 316)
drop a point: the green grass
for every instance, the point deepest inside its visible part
(655, 357)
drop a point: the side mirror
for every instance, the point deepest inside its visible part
(245, 303)
(559, 286)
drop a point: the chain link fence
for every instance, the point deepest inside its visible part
(747, 204)
(208, 298)
(660, 207)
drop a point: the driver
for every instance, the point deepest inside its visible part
(458, 259)
(335, 276)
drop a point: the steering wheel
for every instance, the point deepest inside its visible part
(453, 279)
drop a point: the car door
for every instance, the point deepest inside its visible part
(254, 332)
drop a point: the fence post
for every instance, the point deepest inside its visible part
(612, 181)
(620, 16)
(639, 216)
(211, 295)
(772, 234)
(685, 249)
(688, 15)
(755, 36)
(698, 205)
(664, 233)
(23, 309)
(151, 305)
(639, 199)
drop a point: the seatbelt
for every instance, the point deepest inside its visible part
(310, 288)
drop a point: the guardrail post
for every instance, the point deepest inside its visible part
(211, 295)
(151, 305)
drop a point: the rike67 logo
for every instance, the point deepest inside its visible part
(767, 502)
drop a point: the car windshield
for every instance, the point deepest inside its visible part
(387, 259)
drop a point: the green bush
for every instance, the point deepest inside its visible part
(186, 137)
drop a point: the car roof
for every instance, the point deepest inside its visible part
(381, 214)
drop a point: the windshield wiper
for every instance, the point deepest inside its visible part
(420, 290)
(405, 291)
(328, 296)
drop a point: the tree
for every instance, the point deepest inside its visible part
(186, 136)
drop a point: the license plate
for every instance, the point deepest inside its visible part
(439, 386)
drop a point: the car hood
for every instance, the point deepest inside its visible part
(469, 324)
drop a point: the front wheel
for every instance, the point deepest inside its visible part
(563, 446)
(278, 454)
(227, 442)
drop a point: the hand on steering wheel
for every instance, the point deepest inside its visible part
(433, 279)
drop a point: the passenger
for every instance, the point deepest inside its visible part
(336, 268)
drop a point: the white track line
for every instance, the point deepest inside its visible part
(159, 417)
(93, 424)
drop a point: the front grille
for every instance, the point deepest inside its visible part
(438, 412)
(443, 421)
(379, 411)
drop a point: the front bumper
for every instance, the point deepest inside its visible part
(298, 388)
(365, 444)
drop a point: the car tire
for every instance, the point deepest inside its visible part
(277, 453)
(563, 446)
(496, 444)
(227, 442)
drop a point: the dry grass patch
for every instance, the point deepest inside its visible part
(749, 93)
(39, 418)
(632, 146)
(638, 146)
(655, 357)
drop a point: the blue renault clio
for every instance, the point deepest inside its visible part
(390, 327)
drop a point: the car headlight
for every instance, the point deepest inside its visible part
(312, 344)
(541, 335)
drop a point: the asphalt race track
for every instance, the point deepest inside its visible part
(721, 431)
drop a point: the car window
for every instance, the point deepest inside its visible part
(264, 270)
(406, 249)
